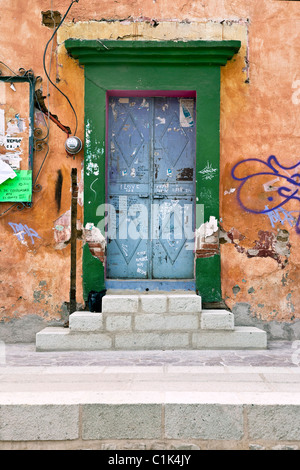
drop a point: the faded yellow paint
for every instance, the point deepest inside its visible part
(258, 119)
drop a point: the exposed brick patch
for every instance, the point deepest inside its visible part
(207, 250)
(51, 19)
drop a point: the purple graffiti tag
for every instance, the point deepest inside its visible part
(281, 215)
(21, 230)
(272, 168)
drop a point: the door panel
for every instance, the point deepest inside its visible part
(174, 163)
(150, 188)
(128, 188)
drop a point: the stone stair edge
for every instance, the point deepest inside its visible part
(60, 338)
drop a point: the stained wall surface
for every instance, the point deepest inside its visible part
(260, 104)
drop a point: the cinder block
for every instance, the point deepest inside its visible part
(156, 321)
(39, 422)
(153, 303)
(217, 320)
(184, 303)
(242, 337)
(162, 341)
(203, 421)
(61, 339)
(116, 322)
(120, 303)
(274, 422)
(121, 421)
(85, 321)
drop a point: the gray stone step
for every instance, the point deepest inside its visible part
(86, 321)
(217, 320)
(141, 321)
(242, 337)
(134, 321)
(151, 303)
(63, 339)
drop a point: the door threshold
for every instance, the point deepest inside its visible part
(150, 285)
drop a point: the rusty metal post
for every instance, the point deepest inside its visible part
(73, 240)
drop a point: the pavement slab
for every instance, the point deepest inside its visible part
(157, 399)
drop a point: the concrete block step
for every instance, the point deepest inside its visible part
(242, 337)
(135, 321)
(86, 321)
(217, 320)
(64, 339)
(151, 303)
(142, 321)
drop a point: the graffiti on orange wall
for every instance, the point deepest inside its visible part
(254, 192)
(21, 230)
(281, 215)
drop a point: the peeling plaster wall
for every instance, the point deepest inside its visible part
(259, 117)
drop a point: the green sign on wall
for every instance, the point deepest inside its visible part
(18, 189)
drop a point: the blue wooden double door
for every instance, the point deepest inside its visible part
(150, 188)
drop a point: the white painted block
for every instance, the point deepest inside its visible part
(217, 320)
(153, 303)
(85, 321)
(156, 321)
(116, 322)
(184, 303)
(162, 341)
(242, 337)
(61, 339)
(120, 303)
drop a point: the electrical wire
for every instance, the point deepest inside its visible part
(42, 141)
(50, 63)
(44, 63)
(8, 67)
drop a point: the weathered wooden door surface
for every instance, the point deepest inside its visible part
(151, 188)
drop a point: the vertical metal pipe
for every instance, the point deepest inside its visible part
(73, 240)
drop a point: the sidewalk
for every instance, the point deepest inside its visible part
(150, 399)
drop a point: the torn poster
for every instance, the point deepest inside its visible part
(6, 172)
(186, 115)
(2, 93)
(2, 122)
(13, 126)
(12, 159)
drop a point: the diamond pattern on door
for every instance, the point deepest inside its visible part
(171, 235)
(174, 137)
(129, 140)
(150, 185)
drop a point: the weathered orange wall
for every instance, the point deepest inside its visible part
(258, 118)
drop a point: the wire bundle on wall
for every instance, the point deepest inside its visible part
(44, 63)
(40, 141)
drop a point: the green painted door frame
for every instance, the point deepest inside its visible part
(153, 65)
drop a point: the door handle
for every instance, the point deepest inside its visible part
(144, 196)
(158, 196)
